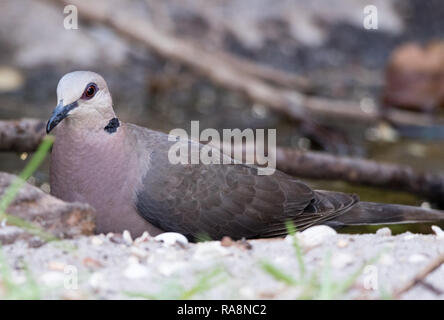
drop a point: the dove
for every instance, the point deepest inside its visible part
(123, 171)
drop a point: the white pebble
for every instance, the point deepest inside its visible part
(417, 258)
(126, 235)
(438, 231)
(138, 252)
(410, 236)
(144, 237)
(52, 278)
(168, 268)
(342, 243)
(135, 271)
(315, 236)
(247, 293)
(96, 241)
(206, 251)
(340, 260)
(97, 281)
(384, 232)
(171, 238)
(386, 259)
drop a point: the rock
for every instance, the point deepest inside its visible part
(414, 77)
(384, 232)
(61, 219)
(9, 234)
(315, 236)
(171, 238)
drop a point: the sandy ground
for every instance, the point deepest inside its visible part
(115, 267)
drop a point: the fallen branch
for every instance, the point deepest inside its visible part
(317, 165)
(234, 73)
(21, 135)
(421, 276)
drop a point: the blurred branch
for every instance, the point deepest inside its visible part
(317, 165)
(21, 135)
(421, 276)
(234, 73)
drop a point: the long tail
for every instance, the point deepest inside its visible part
(365, 213)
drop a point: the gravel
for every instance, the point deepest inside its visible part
(112, 267)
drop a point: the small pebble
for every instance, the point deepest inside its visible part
(342, 243)
(386, 259)
(168, 268)
(226, 242)
(115, 238)
(247, 293)
(438, 231)
(417, 258)
(409, 236)
(143, 238)
(52, 278)
(138, 252)
(97, 281)
(340, 260)
(171, 238)
(426, 205)
(135, 271)
(315, 236)
(386, 232)
(92, 263)
(206, 251)
(127, 239)
(97, 241)
(56, 266)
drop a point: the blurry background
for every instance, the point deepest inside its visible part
(323, 44)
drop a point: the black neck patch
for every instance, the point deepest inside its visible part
(112, 125)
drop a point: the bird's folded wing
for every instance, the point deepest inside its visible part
(216, 200)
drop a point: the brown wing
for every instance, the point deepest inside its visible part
(228, 200)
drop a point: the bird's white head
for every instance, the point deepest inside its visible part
(83, 99)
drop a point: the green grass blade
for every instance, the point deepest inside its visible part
(277, 274)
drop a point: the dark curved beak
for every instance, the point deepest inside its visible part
(59, 113)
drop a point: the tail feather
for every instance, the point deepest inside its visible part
(367, 213)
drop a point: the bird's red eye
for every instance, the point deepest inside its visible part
(90, 91)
